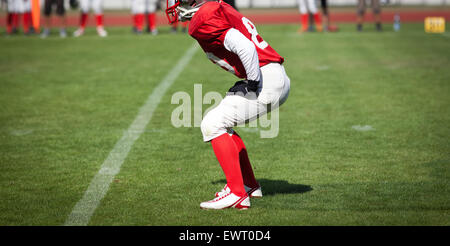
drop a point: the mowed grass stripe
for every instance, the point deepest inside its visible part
(99, 185)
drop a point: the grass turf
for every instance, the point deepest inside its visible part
(66, 102)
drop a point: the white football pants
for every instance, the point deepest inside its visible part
(236, 110)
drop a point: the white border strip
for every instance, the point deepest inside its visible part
(99, 186)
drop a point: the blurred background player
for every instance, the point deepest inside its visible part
(97, 7)
(144, 10)
(326, 17)
(361, 10)
(60, 11)
(231, 41)
(306, 7)
(15, 10)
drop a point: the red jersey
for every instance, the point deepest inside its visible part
(209, 27)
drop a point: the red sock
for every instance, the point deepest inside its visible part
(317, 19)
(99, 19)
(304, 18)
(15, 20)
(139, 21)
(244, 161)
(83, 20)
(9, 22)
(228, 156)
(151, 21)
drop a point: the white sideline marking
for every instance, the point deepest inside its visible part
(19, 133)
(84, 209)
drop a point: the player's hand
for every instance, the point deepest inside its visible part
(240, 86)
(252, 85)
(244, 86)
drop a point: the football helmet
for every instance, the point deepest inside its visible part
(182, 10)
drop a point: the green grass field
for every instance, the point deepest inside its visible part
(65, 103)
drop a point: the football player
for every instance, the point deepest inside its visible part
(12, 17)
(60, 11)
(97, 6)
(306, 7)
(231, 41)
(16, 9)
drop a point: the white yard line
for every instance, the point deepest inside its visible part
(99, 186)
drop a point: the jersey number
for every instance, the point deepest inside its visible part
(255, 36)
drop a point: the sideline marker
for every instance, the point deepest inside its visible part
(36, 14)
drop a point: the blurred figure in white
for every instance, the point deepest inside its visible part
(12, 17)
(307, 7)
(16, 9)
(141, 10)
(184, 27)
(97, 7)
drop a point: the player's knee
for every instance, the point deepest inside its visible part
(268, 97)
(207, 127)
(211, 128)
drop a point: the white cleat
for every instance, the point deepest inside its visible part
(79, 32)
(101, 32)
(252, 192)
(228, 200)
